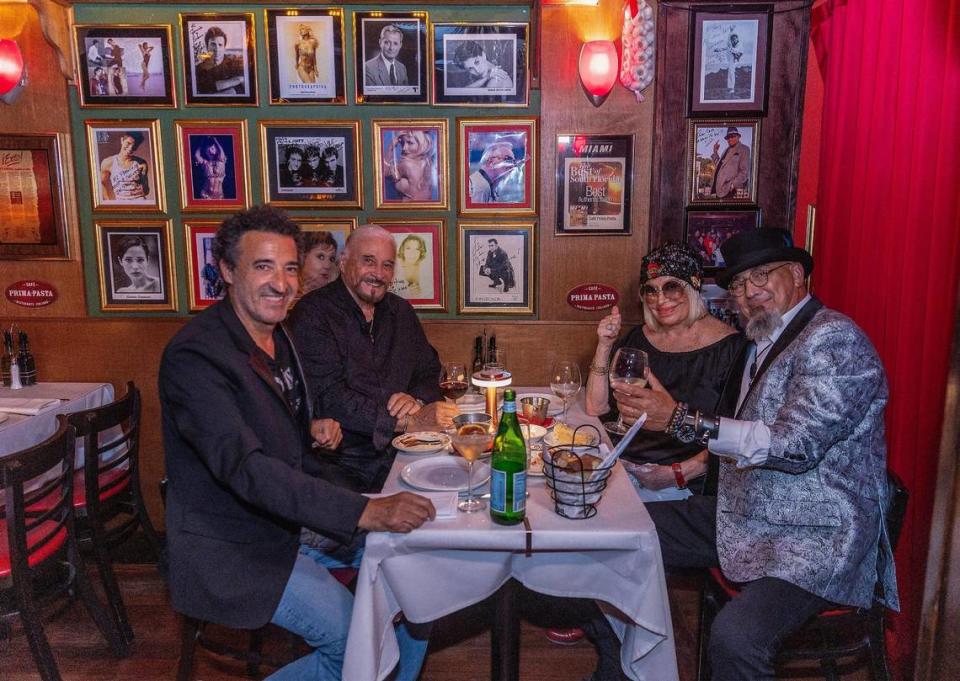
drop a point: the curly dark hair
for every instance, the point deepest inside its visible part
(259, 219)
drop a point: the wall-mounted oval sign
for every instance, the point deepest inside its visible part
(31, 293)
(593, 297)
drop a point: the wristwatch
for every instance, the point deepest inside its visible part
(686, 432)
(697, 427)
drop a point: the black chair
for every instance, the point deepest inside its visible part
(837, 640)
(107, 497)
(39, 558)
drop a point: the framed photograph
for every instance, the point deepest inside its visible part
(708, 229)
(125, 167)
(418, 275)
(731, 51)
(497, 165)
(128, 66)
(594, 177)
(495, 268)
(206, 284)
(214, 170)
(481, 64)
(390, 53)
(305, 48)
(723, 161)
(410, 163)
(135, 265)
(219, 59)
(33, 223)
(315, 164)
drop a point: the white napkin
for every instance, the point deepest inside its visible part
(444, 502)
(26, 406)
(609, 458)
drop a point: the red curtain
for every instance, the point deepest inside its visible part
(887, 241)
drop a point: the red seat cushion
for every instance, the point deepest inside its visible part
(80, 491)
(33, 537)
(731, 590)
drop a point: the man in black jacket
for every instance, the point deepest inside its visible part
(236, 427)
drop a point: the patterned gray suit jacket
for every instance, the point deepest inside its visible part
(812, 515)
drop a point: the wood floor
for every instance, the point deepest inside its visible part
(459, 649)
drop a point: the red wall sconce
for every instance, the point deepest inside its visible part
(599, 65)
(12, 74)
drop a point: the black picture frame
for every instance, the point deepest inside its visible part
(107, 57)
(706, 230)
(502, 53)
(290, 81)
(412, 57)
(723, 39)
(594, 179)
(240, 60)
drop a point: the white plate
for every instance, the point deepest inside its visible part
(443, 474)
(442, 442)
(532, 432)
(556, 404)
(551, 439)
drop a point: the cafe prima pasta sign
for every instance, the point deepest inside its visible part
(31, 293)
(592, 297)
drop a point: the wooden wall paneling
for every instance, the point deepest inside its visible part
(43, 106)
(568, 261)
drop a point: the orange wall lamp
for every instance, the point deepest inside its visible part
(599, 65)
(13, 75)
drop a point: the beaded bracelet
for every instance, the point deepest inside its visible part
(677, 418)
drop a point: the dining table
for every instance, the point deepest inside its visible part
(461, 559)
(20, 431)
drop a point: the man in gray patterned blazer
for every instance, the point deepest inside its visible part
(798, 516)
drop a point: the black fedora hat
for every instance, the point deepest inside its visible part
(757, 247)
(731, 132)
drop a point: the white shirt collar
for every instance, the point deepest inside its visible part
(385, 60)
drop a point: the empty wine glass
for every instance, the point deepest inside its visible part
(453, 380)
(565, 381)
(630, 365)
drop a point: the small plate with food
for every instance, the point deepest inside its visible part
(563, 434)
(422, 442)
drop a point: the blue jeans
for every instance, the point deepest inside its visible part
(306, 615)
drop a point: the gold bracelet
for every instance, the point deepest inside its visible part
(601, 370)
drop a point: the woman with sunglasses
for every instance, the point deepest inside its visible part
(689, 351)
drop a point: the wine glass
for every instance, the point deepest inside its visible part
(471, 440)
(453, 380)
(565, 381)
(630, 365)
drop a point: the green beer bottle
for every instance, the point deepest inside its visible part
(508, 477)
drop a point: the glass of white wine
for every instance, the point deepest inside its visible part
(565, 381)
(630, 365)
(472, 440)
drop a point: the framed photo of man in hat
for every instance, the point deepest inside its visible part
(723, 161)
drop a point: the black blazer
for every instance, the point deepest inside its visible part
(239, 467)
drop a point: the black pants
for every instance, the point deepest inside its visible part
(749, 629)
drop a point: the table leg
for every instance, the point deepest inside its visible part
(505, 637)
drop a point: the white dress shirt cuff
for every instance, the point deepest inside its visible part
(746, 441)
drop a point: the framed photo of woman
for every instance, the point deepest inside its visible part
(314, 164)
(497, 166)
(322, 242)
(203, 272)
(124, 66)
(212, 157)
(390, 54)
(305, 55)
(418, 274)
(135, 265)
(125, 167)
(495, 268)
(480, 64)
(410, 163)
(219, 59)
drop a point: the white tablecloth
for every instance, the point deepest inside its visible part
(447, 565)
(19, 432)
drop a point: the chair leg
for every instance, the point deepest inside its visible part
(879, 671)
(708, 611)
(36, 636)
(255, 652)
(188, 646)
(107, 625)
(110, 586)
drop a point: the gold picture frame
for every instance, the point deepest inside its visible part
(497, 162)
(119, 189)
(217, 180)
(730, 178)
(205, 286)
(128, 254)
(306, 186)
(325, 80)
(410, 164)
(424, 242)
(339, 228)
(478, 259)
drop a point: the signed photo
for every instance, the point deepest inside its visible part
(125, 169)
(480, 64)
(418, 268)
(411, 163)
(497, 166)
(390, 57)
(723, 161)
(126, 66)
(495, 273)
(213, 165)
(219, 59)
(135, 265)
(306, 56)
(730, 61)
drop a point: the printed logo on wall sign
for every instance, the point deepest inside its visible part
(31, 293)
(593, 297)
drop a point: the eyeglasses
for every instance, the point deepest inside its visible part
(757, 278)
(672, 290)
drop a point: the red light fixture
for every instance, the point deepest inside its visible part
(11, 67)
(599, 64)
